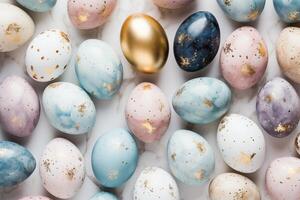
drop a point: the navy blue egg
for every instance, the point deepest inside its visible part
(288, 11)
(197, 41)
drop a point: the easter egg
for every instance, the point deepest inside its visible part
(114, 158)
(99, 69)
(62, 168)
(16, 27)
(213, 100)
(35, 198)
(155, 184)
(190, 157)
(19, 106)
(282, 179)
(241, 10)
(73, 112)
(91, 14)
(297, 144)
(104, 196)
(38, 5)
(241, 143)
(143, 37)
(278, 107)
(47, 55)
(244, 58)
(16, 164)
(288, 11)
(230, 186)
(197, 41)
(147, 112)
(172, 4)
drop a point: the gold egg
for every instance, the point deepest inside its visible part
(144, 43)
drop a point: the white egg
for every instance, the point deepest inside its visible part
(48, 55)
(62, 168)
(155, 184)
(241, 143)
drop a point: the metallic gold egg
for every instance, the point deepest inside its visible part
(144, 43)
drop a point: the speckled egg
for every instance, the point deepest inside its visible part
(232, 186)
(297, 144)
(62, 168)
(172, 4)
(104, 196)
(155, 184)
(241, 143)
(73, 112)
(47, 55)
(38, 5)
(213, 100)
(114, 158)
(282, 179)
(197, 41)
(288, 53)
(99, 69)
(288, 10)
(147, 112)
(16, 27)
(190, 157)
(19, 106)
(35, 198)
(16, 164)
(278, 107)
(244, 58)
(241, 10)
(91, 14)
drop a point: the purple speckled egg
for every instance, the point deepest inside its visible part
(19, 106)
(35, 198)
(278, 107)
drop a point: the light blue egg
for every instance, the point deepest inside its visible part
(242, 10)
(114, 158)
(104, 196)
(190, 157)
(202, 100)
(69, 108)
(38, 5)
(16, 164)
(288, 10)
(99, 69)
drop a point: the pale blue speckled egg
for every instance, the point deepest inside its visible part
(68, 108)
(99, 69)
(288, 10)
(191, 158)
(104, 196)
(114, 158)
(38, 5)
(202, 100)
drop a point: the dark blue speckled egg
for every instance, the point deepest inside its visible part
(288, 11)
(197, 41)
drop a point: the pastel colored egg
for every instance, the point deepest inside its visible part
(230, 186)
(114, 158)
(35, 198)
(48, 55)
(62, 168)
(278, 107)
(16, 27)
(99, 69)
(91, 14)
(297, 144)
(241, 143)
(38, 5)
(147, 112)
(16, 164)
(104, 196)
(213, 100)
(244, 58)
(241, 10)
(197, 41)
(288, 11)
(191, 159)
(288, 51)
(282, 179)
(155, 184)
(172, 4)
(73, 112)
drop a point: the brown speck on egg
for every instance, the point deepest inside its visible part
(247, 70)
(65, 36)
(12, 28)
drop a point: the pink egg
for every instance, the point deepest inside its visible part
(147, 112)
(244, 58)
(35, 198)
(90, 14)
(282, 179)
(172, 4)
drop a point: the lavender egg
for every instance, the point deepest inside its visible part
(278, 108)
(19, 106)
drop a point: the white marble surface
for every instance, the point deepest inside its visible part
(110, 113)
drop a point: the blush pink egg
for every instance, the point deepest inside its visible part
(147, 112)
(35, 198)
(90, 14)
(172, 4)
(244, 58)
